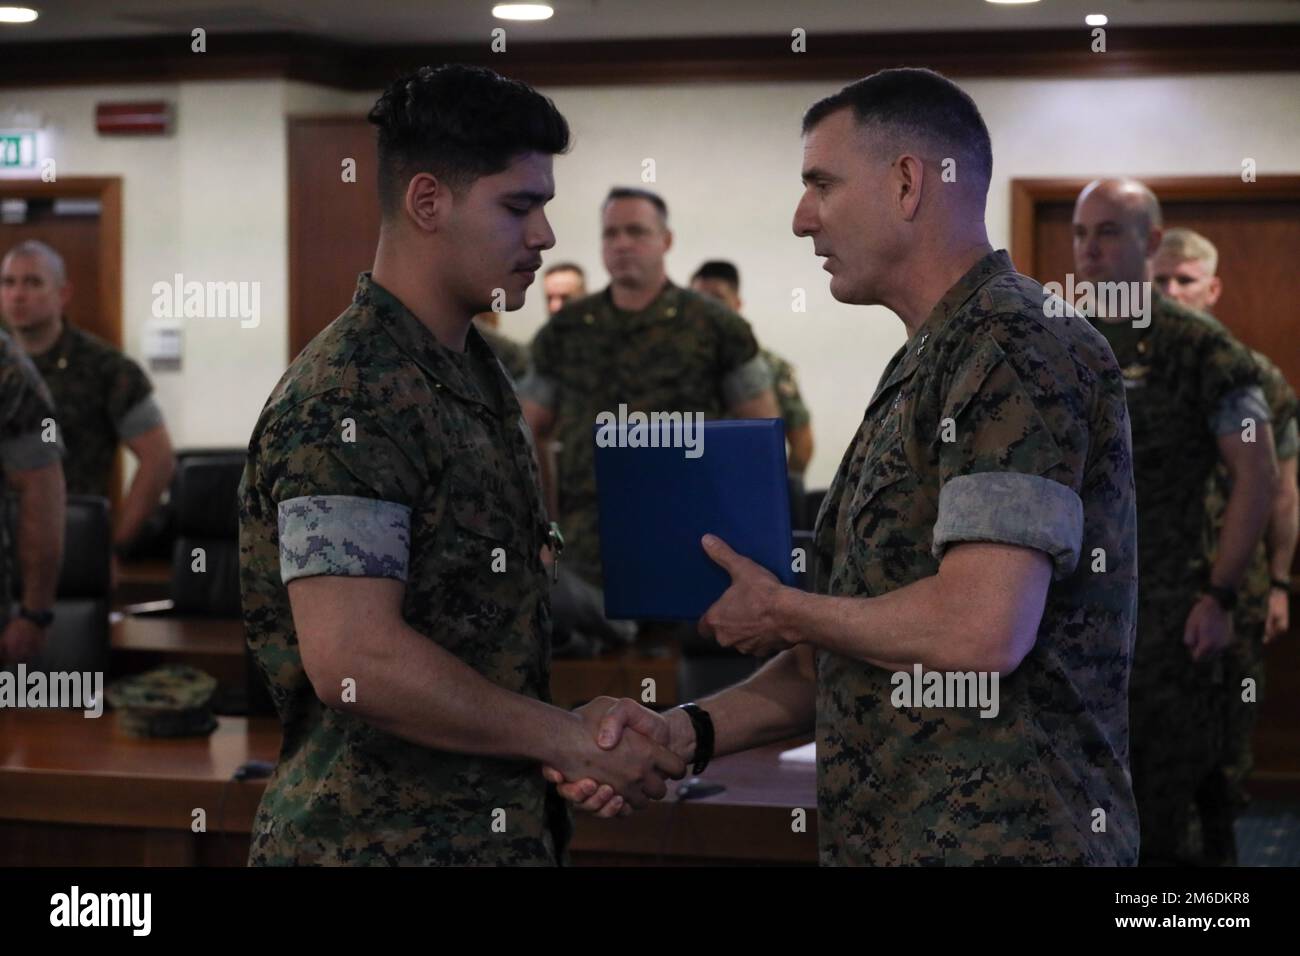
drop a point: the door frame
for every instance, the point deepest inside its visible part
(1028, 193)
(108, 190)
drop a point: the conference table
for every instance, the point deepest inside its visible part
(77, 791)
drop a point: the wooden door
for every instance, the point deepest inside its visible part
(333, 223)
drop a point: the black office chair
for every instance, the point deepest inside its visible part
(78, 639)
(205, 556)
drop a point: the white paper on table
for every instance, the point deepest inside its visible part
(805, 754)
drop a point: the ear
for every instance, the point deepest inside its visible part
(1153, 240)
(65, 294)
(427, 201)
(909, 182)
(668, 239)
(1214, 291)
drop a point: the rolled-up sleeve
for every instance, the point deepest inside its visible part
(1003, 476)
(748, 380)
(1238, 407)
(141, 417)
(1010, 508)
(343, 535)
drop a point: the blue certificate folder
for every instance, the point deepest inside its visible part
(656, 503)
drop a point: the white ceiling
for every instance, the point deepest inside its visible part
(443, 21)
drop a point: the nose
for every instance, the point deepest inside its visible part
(544, 236)
(805, 218)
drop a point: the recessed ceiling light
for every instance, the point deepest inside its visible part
(17, 14)
(522, 11)
(1010, 2)
(1096, 20)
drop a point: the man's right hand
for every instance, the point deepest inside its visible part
(608, 719)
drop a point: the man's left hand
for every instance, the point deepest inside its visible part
(1208, 631)
(744, 617)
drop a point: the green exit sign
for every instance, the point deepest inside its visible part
(17, 149)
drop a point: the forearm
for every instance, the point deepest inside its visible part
(41, 507)
(1250, 503)
(409, 686)
(777, 702)
(151, 479)
(938, 622)
(1284, 524)
(801, 448)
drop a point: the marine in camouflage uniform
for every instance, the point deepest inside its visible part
(794, 412)
(512, 355)
(1187, 381)
(684, 352)
(441, 472)
(101, 398)
(25, 406)
(1223, 796)
(1039, 458)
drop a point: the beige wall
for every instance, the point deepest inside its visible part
(210, 202)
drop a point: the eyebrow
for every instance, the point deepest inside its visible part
(815, 173)
(529, 196)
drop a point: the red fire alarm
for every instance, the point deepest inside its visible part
(144, 119)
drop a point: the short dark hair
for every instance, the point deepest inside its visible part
(630, 192)
(721, 270)
(566, 267)
(915, 102)
(459, 123)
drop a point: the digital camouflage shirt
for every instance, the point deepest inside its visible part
(1252, 605)
(101, 398)
(685, 352)
(25, 408)
(997, 424)
(380, 454)
(793, 410)
(512, 354)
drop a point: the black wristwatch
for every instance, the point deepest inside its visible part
(39, 618)
(703, 724)
(1226, 598)
(1280, 585)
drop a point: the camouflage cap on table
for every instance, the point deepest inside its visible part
(169, 701)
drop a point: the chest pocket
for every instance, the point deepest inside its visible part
(883, 498)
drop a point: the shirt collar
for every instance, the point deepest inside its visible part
(963, 290)
(415, 340)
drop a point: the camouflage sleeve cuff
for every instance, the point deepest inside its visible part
(141, 417)
(1287, 441)
(343, 536)
(1237, 406)
(28, 451)
(747, 380)
(1009, 507)
(536, 388)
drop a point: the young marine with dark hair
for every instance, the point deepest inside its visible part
(392, 525)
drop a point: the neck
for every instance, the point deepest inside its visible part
(403, 271)
(930, 271)
(39, 339)
(635, 298)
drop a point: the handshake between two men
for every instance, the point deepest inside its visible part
(643, 749)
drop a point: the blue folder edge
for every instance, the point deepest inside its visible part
(655, 504)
